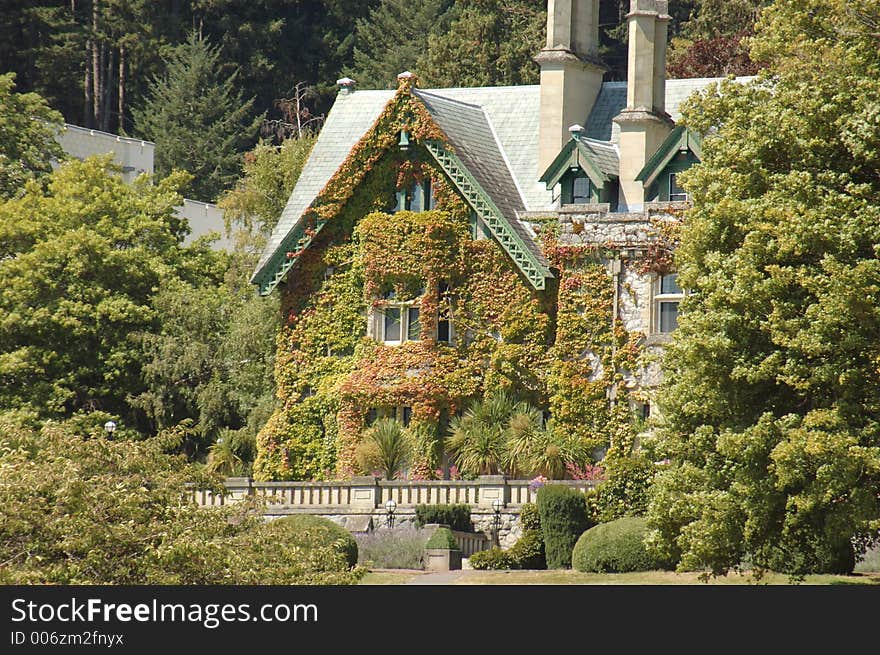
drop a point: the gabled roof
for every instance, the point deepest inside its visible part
(598, 159)
(511, 114)
(679, 139)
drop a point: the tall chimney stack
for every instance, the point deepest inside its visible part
(571, 73)
(644, 124)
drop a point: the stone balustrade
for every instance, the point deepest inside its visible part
(368, 493)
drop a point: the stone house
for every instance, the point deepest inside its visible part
(445, 243)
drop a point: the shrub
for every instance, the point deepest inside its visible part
(492, 559)
(310, 532)
(563, 515)
(615, 547)
(442, 538)
(457, 517)
(529, 518)
(625, 490)
(528, 551)
(400, 548)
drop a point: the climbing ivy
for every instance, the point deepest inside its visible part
(558, 349)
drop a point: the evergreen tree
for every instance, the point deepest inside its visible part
(489, 43)
(393, 38)
(198, 119)
(770, 409)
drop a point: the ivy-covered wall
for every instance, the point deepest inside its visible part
(559, 349)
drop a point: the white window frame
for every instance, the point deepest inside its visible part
(660, 298)
(404, 308)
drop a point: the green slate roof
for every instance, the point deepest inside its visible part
(598, 159)
(679, 139)
(512, 114)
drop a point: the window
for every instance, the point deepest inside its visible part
(419, 197)
(399, 323)
(580, 190)
(444, 322)
(676, 193)
(667, 296)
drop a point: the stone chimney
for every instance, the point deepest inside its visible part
(644, 124)
(571, 73)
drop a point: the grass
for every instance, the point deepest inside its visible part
(569, 577)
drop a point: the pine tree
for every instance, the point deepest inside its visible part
(198, 119)
(489, 43)
(393, 38)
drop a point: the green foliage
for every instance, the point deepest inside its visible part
(624, 492)
(528, 551)
(488, 43)
(80, 509)
(27, 141)
(393, 37)
(493, 559)
(530, 517)
(615, 547)
(442, 539)
(386, 448)
(79, 266)
(269, 174)
(477, 438)
(313, 532)
(399, 548)
(563, 513)
(457, 517)
(769, 401)
(198, 119)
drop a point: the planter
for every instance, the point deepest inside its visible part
(442, 559)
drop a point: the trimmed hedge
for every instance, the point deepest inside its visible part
(310, 532)
(615, 547)
(457, 517)
(529, 518)
(442, 538)
(528, 551)
(563, 516)
(493, 559)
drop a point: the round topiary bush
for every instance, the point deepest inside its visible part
(614, 547)
(311, 532)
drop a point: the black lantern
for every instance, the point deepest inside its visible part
(390, 506)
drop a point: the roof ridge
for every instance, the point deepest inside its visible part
(504, 157)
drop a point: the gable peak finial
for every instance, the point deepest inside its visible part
(576, 131)
(407, 80)
(346, 85)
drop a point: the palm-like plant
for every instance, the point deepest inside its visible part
(477, 439)
(386, 447)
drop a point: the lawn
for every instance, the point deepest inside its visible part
(568, 577)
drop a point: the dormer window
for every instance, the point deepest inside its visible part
(417, 198)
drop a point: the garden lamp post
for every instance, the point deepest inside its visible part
(110, 428)
(390, 506)
(497, 505)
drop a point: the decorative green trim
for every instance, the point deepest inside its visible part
(573, 154)
(680, 138)
(534, 271)
(285, 256)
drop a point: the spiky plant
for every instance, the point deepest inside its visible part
(386, 448)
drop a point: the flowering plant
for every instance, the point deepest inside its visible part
(585, 472)
(538, 482)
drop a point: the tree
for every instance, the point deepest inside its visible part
(713, 41)
(386, 448)
(27, 137)
(198, 119)
(77, 508)
(770, 396)
(488, 43)
(79, 265)
(393, 38)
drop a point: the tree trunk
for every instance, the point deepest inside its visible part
(121, 105)
(96, 67)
